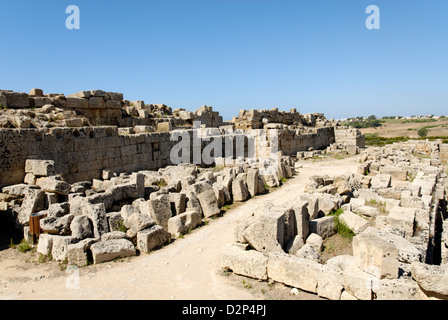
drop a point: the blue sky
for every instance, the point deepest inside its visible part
(313, 55)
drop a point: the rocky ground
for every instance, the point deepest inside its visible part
(189, 268)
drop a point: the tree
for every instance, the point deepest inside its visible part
(372, 117)
(423, 132)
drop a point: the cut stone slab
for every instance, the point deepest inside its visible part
(398, 289)
(354, 222)
(239, 190)
(56, 186)
(77, 252)
(112, 249)
(432, 279)
(184, 222)
(137, 222)
(42, 168)
(330, 283)
(324, 227)
(160, 210)
(381, 181)
(249, 263)
(59, 248)
(209, 203)
(32, 203)
(267, 233)
(55, 225)
(308, 252)
(315, 241)
(97, 214)
(293, 271)
(403, 219)
(152, 238)
(375, 256)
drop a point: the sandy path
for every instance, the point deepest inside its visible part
(189, 268)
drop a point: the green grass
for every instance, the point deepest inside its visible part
(121, 227)
(381, 206)
(162, 184)
(23, 246)
(247, 285)
(341, 228)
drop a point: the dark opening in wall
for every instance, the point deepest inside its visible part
(8, 231)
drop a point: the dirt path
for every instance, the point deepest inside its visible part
(189, 268)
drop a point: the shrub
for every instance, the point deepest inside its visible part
(423, 132)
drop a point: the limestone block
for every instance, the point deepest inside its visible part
(112, 249)
(249, 263)
(354, 222)
(403, 219)
(381, 181)
(294, 271)
(16, 99)
(51, 184)
(137, 222)
(178, 202)
(59, 248)
(239, 190)
(45, 243)
(57, 225)
(308, 252)
(42, 168)
(324, 227)
(432, 279)
(81, 227)
(97, 214)
(152, 238)
(32, 203)
(184, 222)
(77, 103)
(330, 283)
(376, 256)
(315, 241)
(267, 232)
(209, 203)
(398, 289)
(77, 252)
(160, 210)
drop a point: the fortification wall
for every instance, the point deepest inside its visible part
(81, 154)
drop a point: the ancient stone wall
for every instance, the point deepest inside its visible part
(349, 137)
(82, 153)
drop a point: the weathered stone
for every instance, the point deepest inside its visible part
(294, 271)
(315, 241)
(97, 214)
(313, 204)
(152, 238)
(239, 190)
(77, 252)
(252, 181)
(398, 289)
(184, 222)
(330, 283)
(81, 227)
(359, 283)
(32, 203)
(56, 186)
(160, 210)
(128, 210)
(376, 256)
(403, 219)
(209, 203)
(58, 209)
(308, 252)
(381, 181)
(59, 248)
(249, 263)
(57, 225)
(354, 222)
(267, 233)
(177, 202)
(45, 244)
(294, 245)
(112, 249)
(324, 227)
(432, 279)
(302, 219)
(137, 222)
(113, 235)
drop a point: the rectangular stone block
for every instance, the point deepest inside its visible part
(249, 263)
(325, 226)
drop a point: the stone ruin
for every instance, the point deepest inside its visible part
(92, 163)
(395, 207)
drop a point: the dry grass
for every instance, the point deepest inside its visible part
(401, 128)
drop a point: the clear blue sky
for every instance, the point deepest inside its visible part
(314, 55)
